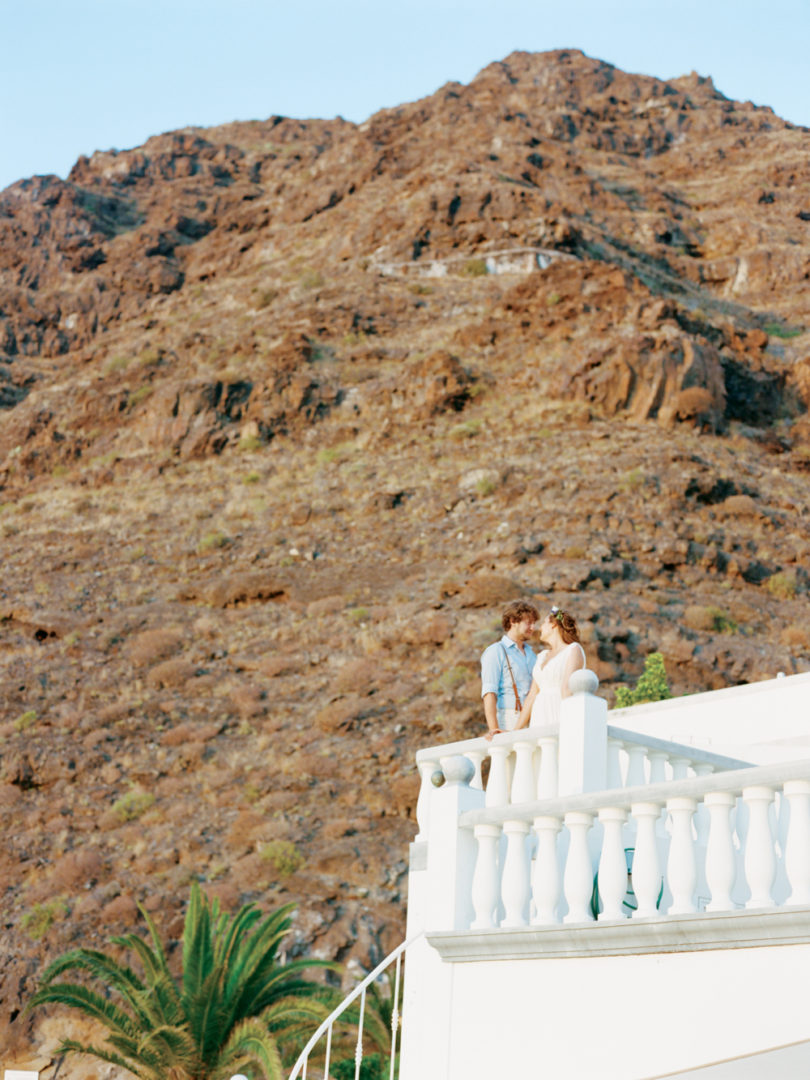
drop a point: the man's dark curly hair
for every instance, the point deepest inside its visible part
(516, 612)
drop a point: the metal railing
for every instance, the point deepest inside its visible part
(300, 1067)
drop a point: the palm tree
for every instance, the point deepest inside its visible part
(231, 1008)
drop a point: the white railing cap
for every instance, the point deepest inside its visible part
(734, 782)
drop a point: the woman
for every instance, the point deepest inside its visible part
(552, 670)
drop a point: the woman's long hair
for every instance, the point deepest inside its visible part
(567, 624)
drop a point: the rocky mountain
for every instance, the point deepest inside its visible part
(289, 409)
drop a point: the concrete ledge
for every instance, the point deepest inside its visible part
(630, 937)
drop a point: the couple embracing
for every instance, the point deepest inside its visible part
(520, 688)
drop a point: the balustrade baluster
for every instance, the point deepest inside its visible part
(797, 848)
(426, 770)
(612, 864)
(760, 858)
(681, 868)
(515, 884)
(720, 861)
(547, 777)
(546, 878)
(477, 758)
(614, 764)
(578, 877)
(498, 784)
(636, 773)
(485, 878)
(523, 786)
(658, 766)
(680, 767)
(646, 868)
(702, 814)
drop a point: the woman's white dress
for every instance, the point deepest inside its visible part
(549, 674)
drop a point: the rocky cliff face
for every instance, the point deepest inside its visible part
(289, 409)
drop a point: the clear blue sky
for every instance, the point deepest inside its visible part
(82, 75)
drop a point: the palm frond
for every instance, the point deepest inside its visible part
(71, 1046)
(76, 996)
(249, 1044)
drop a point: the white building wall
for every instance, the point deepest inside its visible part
(605, 1018)
(764, 722)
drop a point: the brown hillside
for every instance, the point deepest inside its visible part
(289, 409)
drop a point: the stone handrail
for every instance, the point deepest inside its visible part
(525, 764)
(733, 839)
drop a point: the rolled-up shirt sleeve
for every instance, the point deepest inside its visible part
(490, 671)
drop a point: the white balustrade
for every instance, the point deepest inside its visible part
(523, 785)
(515, 890)
(612, 864)
(578, 876)
(477, 758)
(702, 813)
(680, 767)
(547, 775)
(681, 868)
(797, 848)
(658, 766)
(546, 876)
(636, 772)
(720, 860)
(646, 874)
(498, 785)
(485, 885)
(738, 834)
(614, 763)
(760, 858)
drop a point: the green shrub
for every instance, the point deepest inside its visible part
(329, 455)
(37, 922)
(475, 267)
(27, 720)
(652, 684)
(485, 486)
(250, 443)
(632, 481)
(116, 363)
(284, 855)
(139, 395)
(784, 332)
(358, 614)
(721, 621)
(372, 1067)
(133, 804)
(211, 541)
(311, 279)
(265, 298)
(450, 679)
(466, 430)
(783, 585)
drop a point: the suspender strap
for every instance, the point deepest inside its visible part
(518, 705)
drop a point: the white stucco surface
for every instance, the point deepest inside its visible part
(762, 722)
(615, 1018)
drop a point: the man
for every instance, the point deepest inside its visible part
(506, 668)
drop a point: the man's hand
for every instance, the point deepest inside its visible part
(491, 714)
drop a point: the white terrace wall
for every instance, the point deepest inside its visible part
(632, 999)
(602, 1018)
(762, 722)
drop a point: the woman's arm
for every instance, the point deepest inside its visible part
(574, 661)
(526, 711)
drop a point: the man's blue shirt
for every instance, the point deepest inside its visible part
(495, 677)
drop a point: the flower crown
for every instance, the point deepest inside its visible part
(557, 614)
